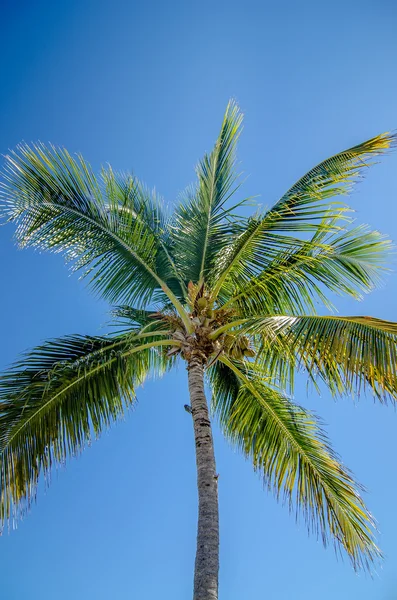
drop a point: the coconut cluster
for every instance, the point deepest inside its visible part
(207, 319)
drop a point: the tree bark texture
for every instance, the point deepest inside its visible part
(207, 554)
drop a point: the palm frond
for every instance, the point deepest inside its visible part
(351, 355)
(57, 397)
(290, 450)
(305, 207)
(126, 193)
(59, 205)
(308, 198)
(200, 223)
(346, 262)
(133, 317)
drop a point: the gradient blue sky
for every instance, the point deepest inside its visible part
(144, 86)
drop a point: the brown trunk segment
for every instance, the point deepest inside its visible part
(207, 554)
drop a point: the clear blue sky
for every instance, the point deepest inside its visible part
(144, 86)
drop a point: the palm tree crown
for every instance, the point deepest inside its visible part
(206, 281)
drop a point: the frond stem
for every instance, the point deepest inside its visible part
(217, 332)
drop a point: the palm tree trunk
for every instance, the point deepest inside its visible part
(207, 553)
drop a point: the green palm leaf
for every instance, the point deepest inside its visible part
(59, 205)
(305, 207)
(347, 262)
(58, 396)
(200, 223)
(349, 354)
(308, 198)
(127, 194)
(289, 448)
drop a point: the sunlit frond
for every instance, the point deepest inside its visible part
(290, 450)
(200, 224)
(309, 198)
(347, 262)
(304, 208)
(351, 355)
(59, 205)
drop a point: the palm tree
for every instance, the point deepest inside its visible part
(233, 296)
